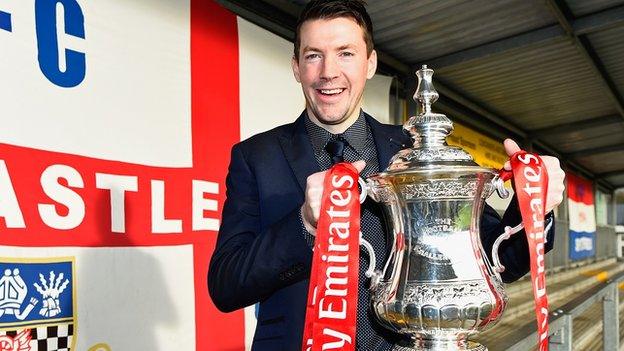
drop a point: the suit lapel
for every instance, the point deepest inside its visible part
(300, 156)
(388, 140)
(298, 152)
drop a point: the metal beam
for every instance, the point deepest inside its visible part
(480, 110)
(264, 15)
(573, 166)
(391, 65)
(601, 72)
(576, 126)
(461, 114)
(596, 151)
(599, 21)
(486, 50)
(591, 23)
(564, 16)
(615, 173)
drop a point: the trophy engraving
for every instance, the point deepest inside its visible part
(437, 284)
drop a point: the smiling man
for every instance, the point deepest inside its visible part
(333, 59)
(275, 182)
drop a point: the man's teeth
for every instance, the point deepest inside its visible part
(331, 91)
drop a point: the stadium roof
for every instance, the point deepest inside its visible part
(549, 73)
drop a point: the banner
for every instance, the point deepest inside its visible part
(486, 151)
(582, 218)
(531, 181)
(117, 122)
(331, 311)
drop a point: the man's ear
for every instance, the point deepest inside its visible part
(295, 67)
(372, 65)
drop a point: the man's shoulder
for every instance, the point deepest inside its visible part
(394, 131)
(266, 139)
(391, 128)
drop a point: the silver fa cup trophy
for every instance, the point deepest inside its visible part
(437, 284)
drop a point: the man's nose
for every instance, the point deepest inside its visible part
(330, 69)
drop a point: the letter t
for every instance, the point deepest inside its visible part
(118, 185)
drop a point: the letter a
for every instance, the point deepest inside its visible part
(9, 207)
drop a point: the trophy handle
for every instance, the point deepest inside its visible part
(499, 183)
(374, 275)
(372, 259)
(363, 189)
(509, 231)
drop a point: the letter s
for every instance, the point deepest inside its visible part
(63, 195)
(48, 46)
(340, 182)
(527, 158)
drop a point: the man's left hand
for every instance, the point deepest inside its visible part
(556, 175)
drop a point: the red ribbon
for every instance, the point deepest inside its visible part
(531, 182)
(331, 311)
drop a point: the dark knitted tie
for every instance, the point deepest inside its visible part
(335, 148)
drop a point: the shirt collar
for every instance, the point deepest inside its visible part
(356, 134)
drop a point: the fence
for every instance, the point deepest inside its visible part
(605, 246)
(561, 320)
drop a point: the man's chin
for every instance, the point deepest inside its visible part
(332, 118)
(332, 121)
(329, 116)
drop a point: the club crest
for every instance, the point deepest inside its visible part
(37, 304)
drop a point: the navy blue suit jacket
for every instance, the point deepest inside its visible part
(261, 253)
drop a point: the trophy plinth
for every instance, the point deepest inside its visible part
(443, 346)
(437, 284)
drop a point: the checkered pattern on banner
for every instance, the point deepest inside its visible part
(48, 338)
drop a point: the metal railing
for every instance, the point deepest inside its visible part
(561, 320)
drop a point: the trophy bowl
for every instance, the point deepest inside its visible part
(437, 284)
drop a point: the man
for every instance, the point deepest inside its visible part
(274, 185)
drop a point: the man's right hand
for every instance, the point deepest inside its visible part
(311, 208)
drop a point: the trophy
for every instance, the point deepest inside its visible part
(437, 284)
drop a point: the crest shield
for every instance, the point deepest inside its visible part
(37, 304)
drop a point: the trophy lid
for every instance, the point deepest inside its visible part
(429, 131)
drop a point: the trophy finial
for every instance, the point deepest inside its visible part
(428, 129)
(425, 93)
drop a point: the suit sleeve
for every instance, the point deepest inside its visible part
(513, 252)
(251, 262)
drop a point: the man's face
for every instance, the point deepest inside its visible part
(333, 67)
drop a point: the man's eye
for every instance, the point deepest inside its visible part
(347, 54)
(312, 56)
